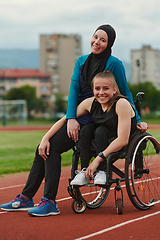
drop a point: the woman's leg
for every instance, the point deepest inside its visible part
(102, 135)
(86, 134)
(35, 177)
(51, 168)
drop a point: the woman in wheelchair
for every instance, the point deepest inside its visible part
(114, 121)
(116, 137)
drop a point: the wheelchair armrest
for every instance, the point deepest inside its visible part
(117, 155)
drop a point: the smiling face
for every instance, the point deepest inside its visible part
(103, 90)
(99, 42)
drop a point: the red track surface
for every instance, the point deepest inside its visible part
(103, 223)
(69, 225)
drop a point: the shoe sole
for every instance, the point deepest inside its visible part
(43, 215)
(99, 183)
(77, 184)
(17, 209)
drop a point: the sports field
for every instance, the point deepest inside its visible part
(100, 223)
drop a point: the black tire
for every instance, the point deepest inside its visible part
(142, 171)
(93, 195)
(78, 207)
(119, 206)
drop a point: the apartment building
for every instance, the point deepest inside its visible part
(14, 78)
(145, 66)
(58, 53)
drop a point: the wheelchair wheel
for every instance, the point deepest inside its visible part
(142, 171)
(119, 206)
(93, 195)
(78, 207)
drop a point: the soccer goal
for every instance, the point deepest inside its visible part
(13, 111)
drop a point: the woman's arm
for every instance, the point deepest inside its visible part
(73, 126)
(82, 109)
(74, 92)
(124, 112)
(117, 68)
(45, 145)
(75, 88)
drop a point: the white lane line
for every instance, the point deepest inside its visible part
(4, 188)
(2, 212)
(117, 226)
(20, 185)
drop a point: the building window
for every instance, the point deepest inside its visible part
(52, 50)
(55, 77)
(44, 89)
(55, 90)
(22, 79)
(45, 97)
(2, 89)
(50, 70)
(51, 43)
(11, 80)
(51, 56)
(52, 64)
(44, 79)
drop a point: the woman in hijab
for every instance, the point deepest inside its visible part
(47, 162)
(86, 68)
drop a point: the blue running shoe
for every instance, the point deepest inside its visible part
(18, 204)
(44, 208)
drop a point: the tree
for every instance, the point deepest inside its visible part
(27, 93)
(60, 103)
(152, 95)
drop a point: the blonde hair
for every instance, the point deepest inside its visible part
(109, 75)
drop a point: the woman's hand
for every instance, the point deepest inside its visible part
(73, 128)
(142, 126)
(92, 167)
(44, 148)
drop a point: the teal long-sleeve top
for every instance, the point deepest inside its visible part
(77, 94)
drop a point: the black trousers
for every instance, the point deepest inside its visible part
(49, 169)
(102, 136)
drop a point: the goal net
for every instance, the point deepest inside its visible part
(13, 111)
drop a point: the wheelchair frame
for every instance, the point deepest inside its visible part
(141, 175)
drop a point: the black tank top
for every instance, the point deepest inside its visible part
(109, 119)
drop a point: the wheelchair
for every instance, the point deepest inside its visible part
(141, 175)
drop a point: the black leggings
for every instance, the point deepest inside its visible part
(102, 135)
(49, 169)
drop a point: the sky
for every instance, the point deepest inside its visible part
(137, 22)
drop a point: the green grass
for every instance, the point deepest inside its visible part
(17, 150)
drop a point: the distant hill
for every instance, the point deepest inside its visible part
(19, 58)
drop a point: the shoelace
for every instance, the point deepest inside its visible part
(42, 203)
(82, 171)
(16, 198)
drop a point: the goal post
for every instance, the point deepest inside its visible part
(13, 110)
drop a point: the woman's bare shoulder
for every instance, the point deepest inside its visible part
(123, 105)
(123, 102)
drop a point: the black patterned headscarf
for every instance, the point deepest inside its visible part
(96, 63)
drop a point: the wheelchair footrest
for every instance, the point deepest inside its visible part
(73, 193)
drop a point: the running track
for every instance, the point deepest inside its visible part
(101, 223)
